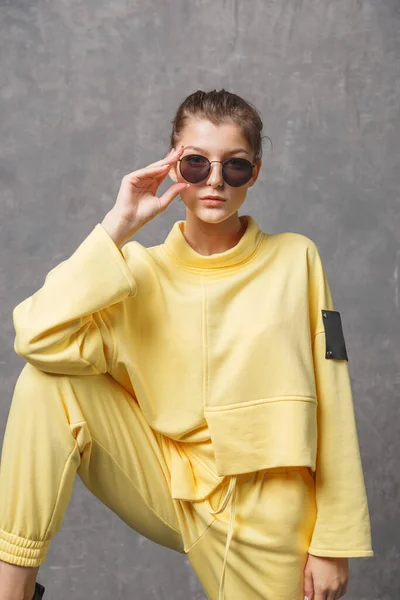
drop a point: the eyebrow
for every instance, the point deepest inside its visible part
(204, 151)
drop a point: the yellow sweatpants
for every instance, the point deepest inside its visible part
(60, 425)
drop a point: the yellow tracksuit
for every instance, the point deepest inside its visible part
(177, 384)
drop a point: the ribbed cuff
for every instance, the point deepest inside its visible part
(21, 551)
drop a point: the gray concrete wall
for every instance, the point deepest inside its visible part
(87, 93)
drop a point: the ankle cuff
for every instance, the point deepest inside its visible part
(22, 551)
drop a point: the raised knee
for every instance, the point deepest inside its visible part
(32, 388)
(31, 376)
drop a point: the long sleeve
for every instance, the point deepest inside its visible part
(64, 327)
(342, 527)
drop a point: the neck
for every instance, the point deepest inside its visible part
(213, 238)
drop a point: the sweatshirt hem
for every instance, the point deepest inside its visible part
(261, 401)
(276, 432)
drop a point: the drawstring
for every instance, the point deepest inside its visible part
(231, 492)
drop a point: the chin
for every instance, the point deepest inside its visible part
(214, 214)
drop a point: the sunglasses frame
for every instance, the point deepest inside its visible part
(217, 161)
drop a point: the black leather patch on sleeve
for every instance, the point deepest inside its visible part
(335, 344)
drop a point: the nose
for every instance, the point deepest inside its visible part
(215, 178)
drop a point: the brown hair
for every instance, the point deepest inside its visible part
(220, 107)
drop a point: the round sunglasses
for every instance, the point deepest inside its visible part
(196, 168)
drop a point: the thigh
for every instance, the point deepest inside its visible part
(274, 521)
(92, 426)
(125, 467)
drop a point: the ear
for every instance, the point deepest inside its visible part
(255, 174)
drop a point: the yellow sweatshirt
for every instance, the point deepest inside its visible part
(243, 348)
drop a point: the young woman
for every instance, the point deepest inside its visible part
(200, 387)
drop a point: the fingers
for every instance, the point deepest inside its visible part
(149, 172)
(160, 167)
(171, 157)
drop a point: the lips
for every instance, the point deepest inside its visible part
(213, 198)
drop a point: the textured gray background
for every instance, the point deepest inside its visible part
(88, 90)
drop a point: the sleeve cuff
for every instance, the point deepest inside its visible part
(118, 256)
(340, 553)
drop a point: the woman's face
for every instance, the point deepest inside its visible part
(216, 142)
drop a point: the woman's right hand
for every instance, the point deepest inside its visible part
(137, 202)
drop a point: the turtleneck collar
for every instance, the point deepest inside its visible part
(181, 251)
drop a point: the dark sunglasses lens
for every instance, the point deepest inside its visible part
(237, 171)
(194, 168)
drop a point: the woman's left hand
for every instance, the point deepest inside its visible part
(325, 577)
